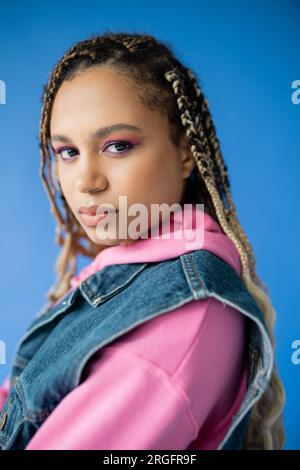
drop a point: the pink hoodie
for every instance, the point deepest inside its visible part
(143, 392)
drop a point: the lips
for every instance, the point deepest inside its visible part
(91, 216)
(92, 210)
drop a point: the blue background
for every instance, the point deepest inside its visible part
(245, 55)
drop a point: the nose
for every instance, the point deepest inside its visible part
(91, 177)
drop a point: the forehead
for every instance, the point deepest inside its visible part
(97, 94)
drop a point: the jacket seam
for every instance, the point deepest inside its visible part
(191, 346)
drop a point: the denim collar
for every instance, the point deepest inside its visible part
(96, 289)
(107, 282)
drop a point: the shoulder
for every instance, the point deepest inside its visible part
(177, 340)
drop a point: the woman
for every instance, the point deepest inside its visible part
(153, 345)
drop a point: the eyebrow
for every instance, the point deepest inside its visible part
(102, 132)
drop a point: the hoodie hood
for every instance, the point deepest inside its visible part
(190, 229)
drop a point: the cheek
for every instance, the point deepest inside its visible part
(65, 181)
(168, 179)
(157, 180)
(65, 176)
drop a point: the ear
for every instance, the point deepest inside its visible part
(187, 159)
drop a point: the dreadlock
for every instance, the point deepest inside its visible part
(165, 84)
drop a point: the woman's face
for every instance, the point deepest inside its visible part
(97, 165)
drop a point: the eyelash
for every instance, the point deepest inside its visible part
(126, 142)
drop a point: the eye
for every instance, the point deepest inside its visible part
(65, 149)
(120, 146)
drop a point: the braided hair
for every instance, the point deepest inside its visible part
(162, 83)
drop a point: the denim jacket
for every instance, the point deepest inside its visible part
(50, 357)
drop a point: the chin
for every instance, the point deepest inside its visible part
(104, 242)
